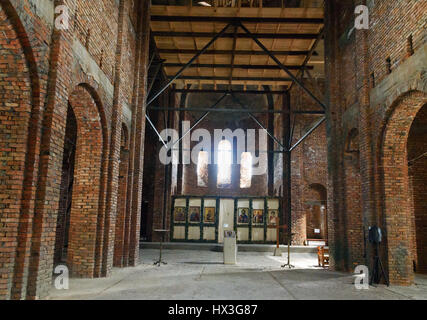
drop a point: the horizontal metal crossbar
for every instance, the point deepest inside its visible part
(233, 110)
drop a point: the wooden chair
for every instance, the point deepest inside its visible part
(323, 256)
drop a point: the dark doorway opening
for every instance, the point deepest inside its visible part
(66, 189)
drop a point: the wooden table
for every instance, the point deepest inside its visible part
(162, 233)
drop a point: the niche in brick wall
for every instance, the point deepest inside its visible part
(316, 211)
(66, 191)
(352, 152)
(417, 169)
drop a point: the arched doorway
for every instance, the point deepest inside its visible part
(316, 213)
(398, 147)
(66, 188)
(417, 166)
(81, 186)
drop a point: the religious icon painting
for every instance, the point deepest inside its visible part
(179, 214)
(243, 216)
(272, 217)
(194, 215)
(258, 216)
(209, 216)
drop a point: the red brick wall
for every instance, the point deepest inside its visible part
(121, 199)
(15, 113)
(352, 189)
(392, 24)
(259, 185)
(309, 159)
(40, 69)
(67, 181)
(417, 146)
(355, 103)
(87, 185)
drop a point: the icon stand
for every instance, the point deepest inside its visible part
(288, 264)
(160, 262)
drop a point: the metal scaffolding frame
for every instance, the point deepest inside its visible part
(285, 149)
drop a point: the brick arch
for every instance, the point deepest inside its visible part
(89, 187)
(396, 207)
(20, 113)
(316, 197)
(91, 86)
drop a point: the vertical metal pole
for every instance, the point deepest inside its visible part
(287, 105)
(287, 161)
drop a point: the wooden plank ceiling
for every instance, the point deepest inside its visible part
(235, 59)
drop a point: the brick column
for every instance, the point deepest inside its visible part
(138, 123)
(365, 133)
(113, 167)
(336, 210)
(47, 196)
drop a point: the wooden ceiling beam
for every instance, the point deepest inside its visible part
(238, 52)
(236, 66)
(165, 18)
(292, 36)
(258, 79)
(220, 91)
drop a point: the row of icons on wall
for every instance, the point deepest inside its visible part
(243, 216)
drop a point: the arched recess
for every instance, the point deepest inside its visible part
(122, 220)
(66, 188)
(397, 208)
(417, 162)
(316, 212)
(88, 186)
(19, 129)
(353, 201)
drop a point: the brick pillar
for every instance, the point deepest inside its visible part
(365, 132)
(47, 196)
(334, 132)
(19, 143)
(138, 122)
(121, 208)
(115, 143)
(130, 185)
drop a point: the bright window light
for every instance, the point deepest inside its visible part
(204, 4)
(202, 169)
(225, 157)
(246, 170)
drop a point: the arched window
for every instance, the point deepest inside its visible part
(202, 169)
(225, 157)
(246, 170)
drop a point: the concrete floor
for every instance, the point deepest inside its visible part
(200, 274)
